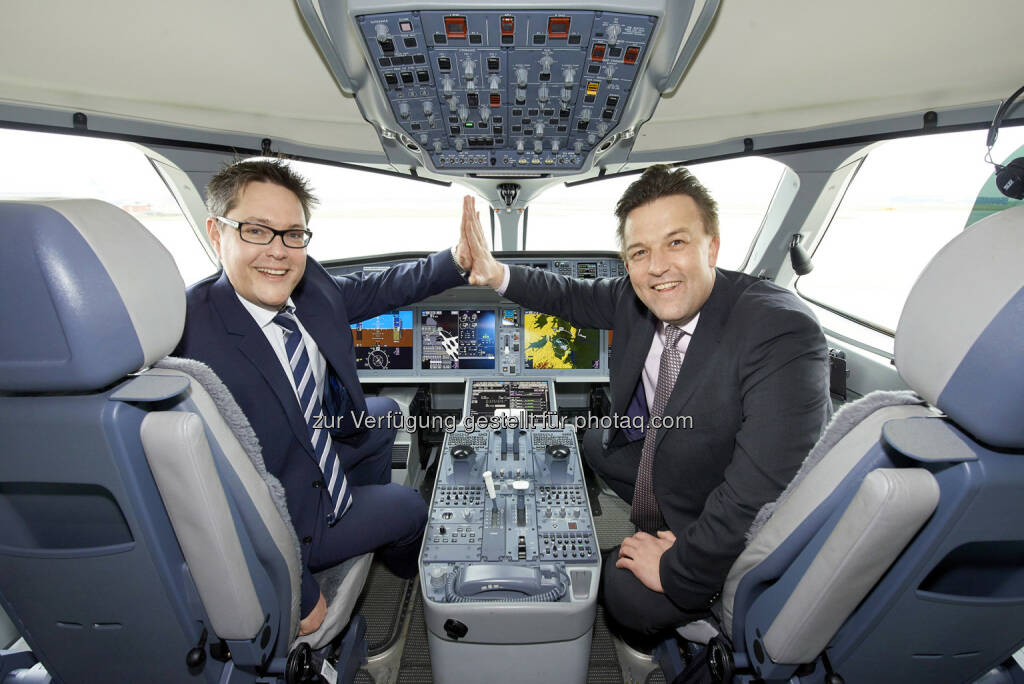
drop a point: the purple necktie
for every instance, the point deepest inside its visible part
(645, 513)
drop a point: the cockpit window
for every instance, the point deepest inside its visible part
(582, 217)
(363, 213)
(47, 165)
(909, 198)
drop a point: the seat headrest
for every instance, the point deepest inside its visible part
(959, 339)
(89, 296)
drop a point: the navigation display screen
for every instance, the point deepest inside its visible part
(553, 343)
(384, 342)
(461, 338)
(486, 396)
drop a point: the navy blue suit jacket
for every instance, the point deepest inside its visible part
(223, 335)
(754, 381)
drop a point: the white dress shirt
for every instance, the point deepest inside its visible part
(275, 335)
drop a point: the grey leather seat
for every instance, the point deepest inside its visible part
(141, 538)
(897, 553)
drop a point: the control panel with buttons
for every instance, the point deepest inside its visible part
(507, 90)
(507, 496)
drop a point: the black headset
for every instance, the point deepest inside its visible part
(1009, 178)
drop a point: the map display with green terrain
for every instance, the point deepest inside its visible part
(553, 343)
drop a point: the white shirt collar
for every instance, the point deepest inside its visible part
(262, 317)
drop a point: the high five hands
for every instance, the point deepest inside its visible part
(472, 251)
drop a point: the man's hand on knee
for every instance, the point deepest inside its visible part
(641, 555)
(312, 622)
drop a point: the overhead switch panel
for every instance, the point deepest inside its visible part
(524, 83)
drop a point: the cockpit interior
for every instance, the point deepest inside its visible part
(867, 160)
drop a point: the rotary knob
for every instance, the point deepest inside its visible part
(382, 33)
(569, 75)
(591, 139)
(522, 76)
(428, 107)
(545, 64)
(453, 105)
(424, 138)
(468, 69)
(495, 83)
(520, 95)
(602, 128)
(485, 113)
(437, 147)
(463, 113)
(542, 94)
(538, 130)
(566, 95)
(578, 147)
(447, 84)
(555, 146)
(585, 115)
(458, 144)
(520, 146)
(403, 110)
(538, 146)
(437, 577)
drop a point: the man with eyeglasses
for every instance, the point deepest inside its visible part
(274, 326)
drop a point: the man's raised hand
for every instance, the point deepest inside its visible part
(485, 270)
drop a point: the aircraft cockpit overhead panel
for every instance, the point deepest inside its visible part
(523, 89)
(507, 90)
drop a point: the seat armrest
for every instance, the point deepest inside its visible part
(182, 465)
(881, 519)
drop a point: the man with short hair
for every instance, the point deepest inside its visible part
(274, 326)
(734, 368)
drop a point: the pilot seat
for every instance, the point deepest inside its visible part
(141, 537)
(897, 552)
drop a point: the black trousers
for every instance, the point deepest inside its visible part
(630, 605)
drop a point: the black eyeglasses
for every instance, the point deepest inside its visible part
(258, 234)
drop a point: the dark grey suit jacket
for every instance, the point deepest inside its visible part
(755, 382)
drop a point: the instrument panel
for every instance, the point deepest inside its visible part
(473, 332)
(505, 90)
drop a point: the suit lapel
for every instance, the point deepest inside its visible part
(706, 338)
(253, 344)
(324, 324)
(640, 337)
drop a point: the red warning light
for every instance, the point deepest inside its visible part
(558, 27)
(455, 27)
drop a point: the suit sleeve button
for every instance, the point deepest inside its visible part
(307, 540)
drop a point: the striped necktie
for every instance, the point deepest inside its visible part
(645, 513)
(309, 402)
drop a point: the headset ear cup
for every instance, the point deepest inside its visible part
(1010, 179)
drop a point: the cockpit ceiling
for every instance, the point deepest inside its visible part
(252, 68)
